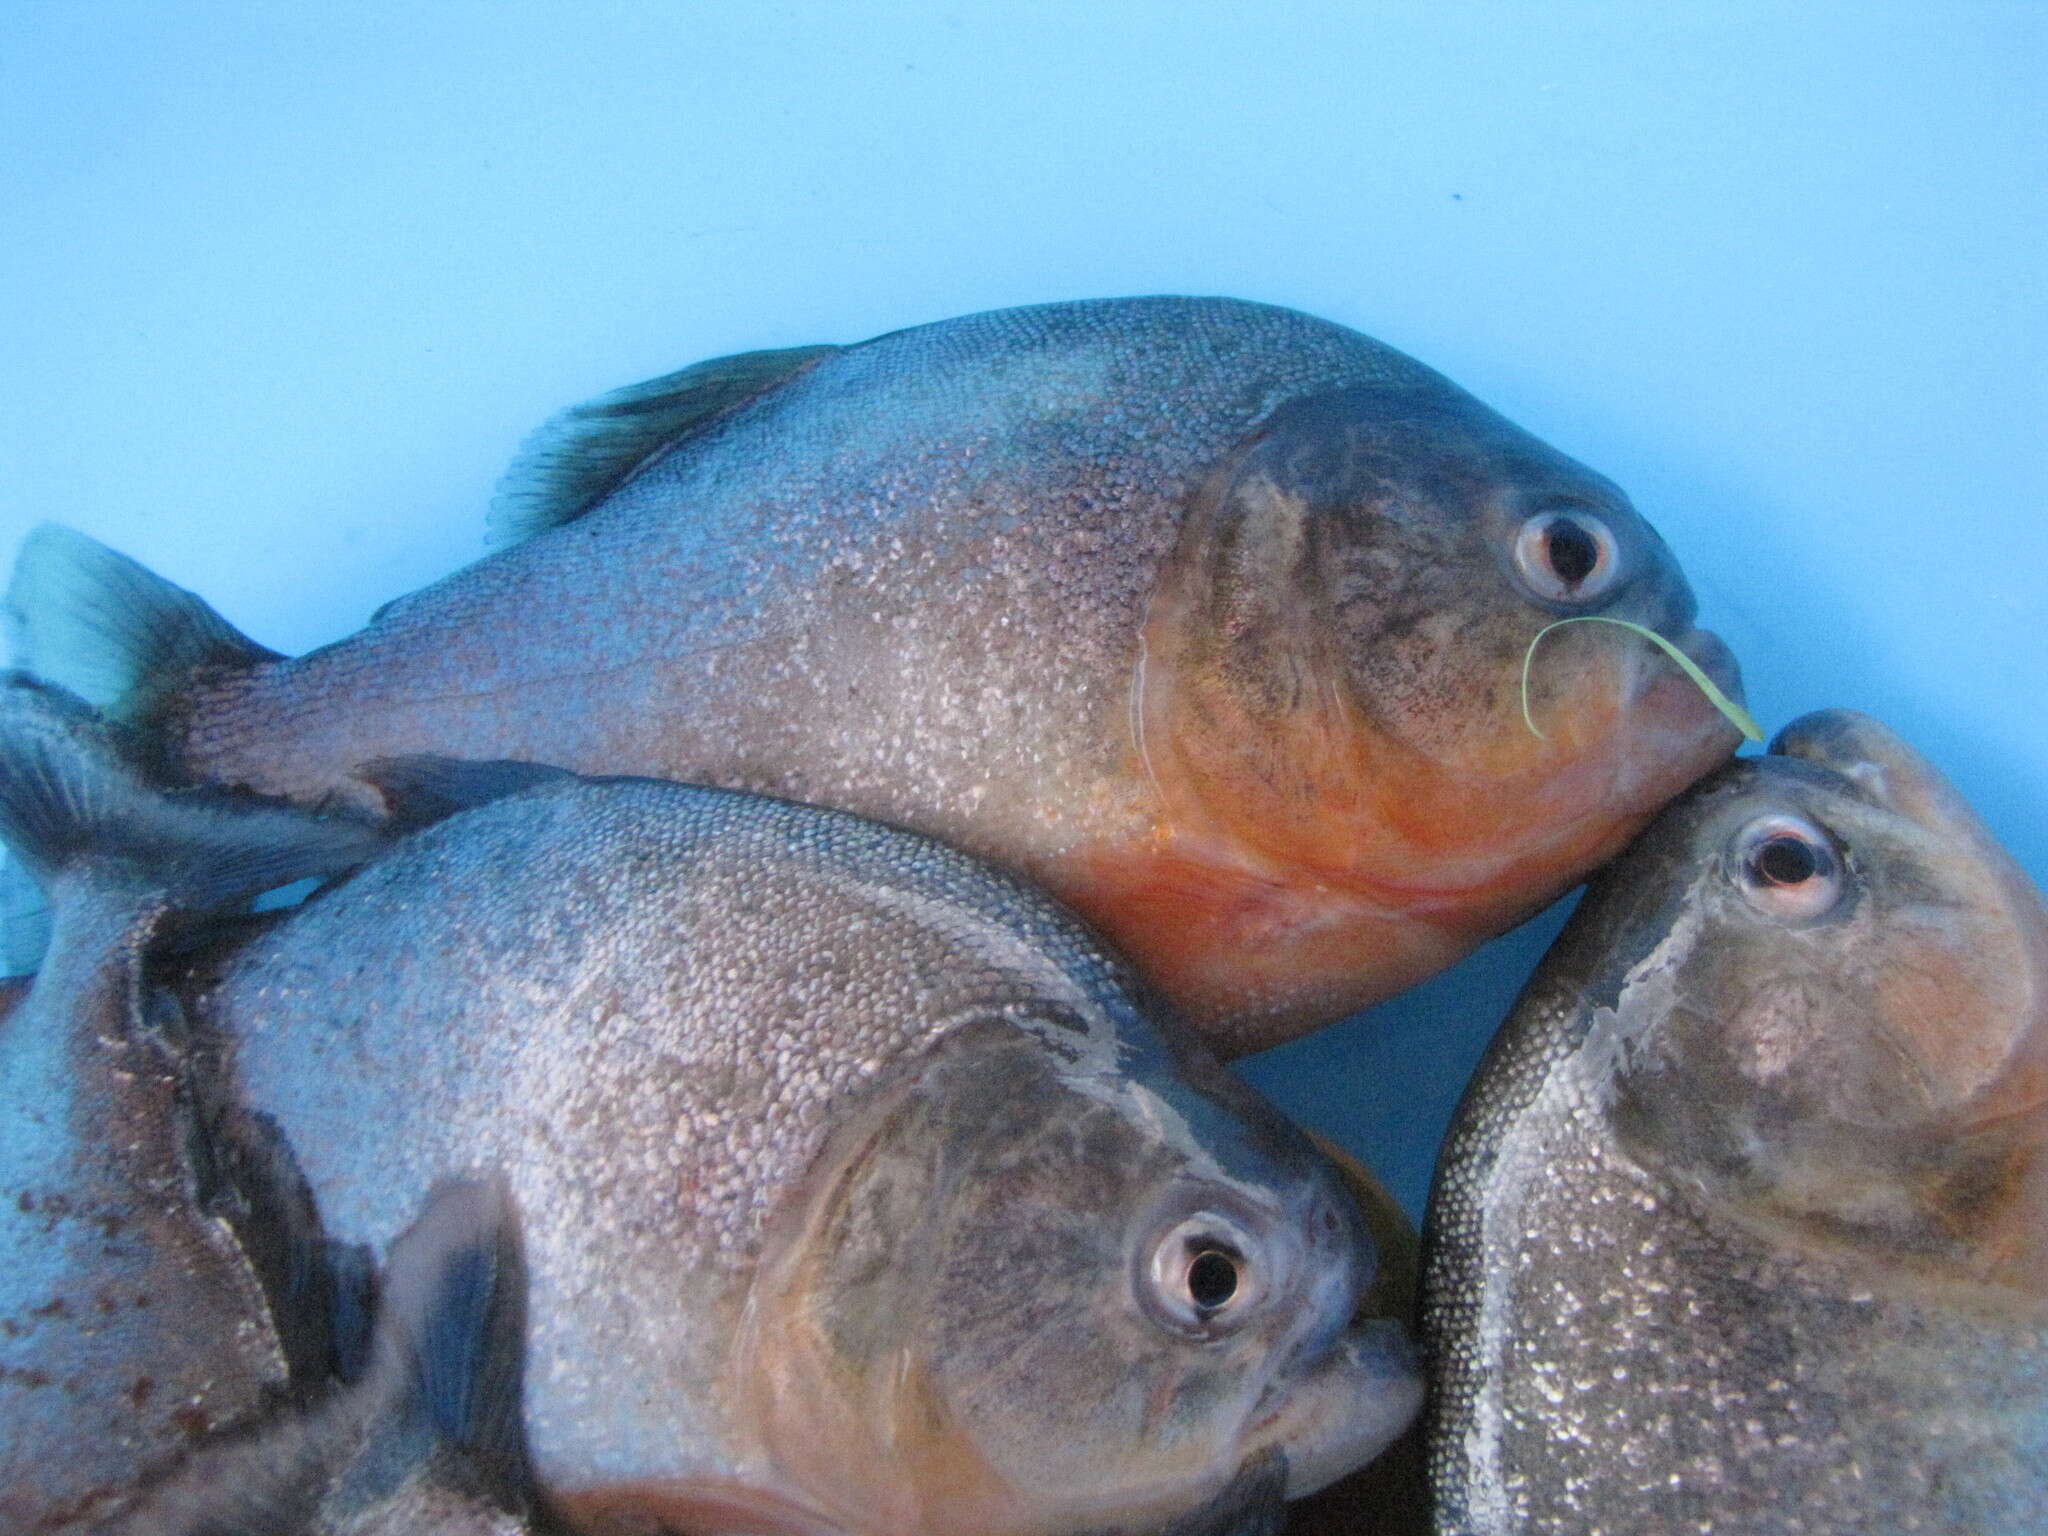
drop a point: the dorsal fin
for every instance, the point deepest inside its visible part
(69, 795)
(419, 791)
(581, 455)
(110, 630)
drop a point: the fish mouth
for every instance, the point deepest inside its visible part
(1661, 684)
(1675, 732)
(1346, 1408)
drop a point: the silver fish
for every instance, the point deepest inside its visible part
(430, 1442)
(864, 1191)
(1743, 1226)
(1207, 616)
(154, 1280)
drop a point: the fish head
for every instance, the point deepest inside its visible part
(1024, 1294)
(1825, 982)
(1335, 658)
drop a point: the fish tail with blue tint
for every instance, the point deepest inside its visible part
(72, 801)
(110, 630)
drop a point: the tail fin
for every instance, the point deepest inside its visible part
(69, 794)
(111, 631)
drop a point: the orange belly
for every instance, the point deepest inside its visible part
(1257, 958)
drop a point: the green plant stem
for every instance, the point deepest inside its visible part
(1738, 717)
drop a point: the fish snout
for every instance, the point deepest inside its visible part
(1659, 691)
(1676, 732)
(1875, 760)
(1666, 690)
(1710, 653)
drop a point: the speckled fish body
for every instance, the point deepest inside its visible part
(1207, 615)
(861, 1190)
(1742, 1225)
(138, 1304)
(429, 1442)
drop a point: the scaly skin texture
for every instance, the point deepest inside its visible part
(428, 1442)
(842, 1159)
(1740, 1227)
(1201, 613)
(132, 1323)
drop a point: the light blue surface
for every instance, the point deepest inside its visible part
(283, 286)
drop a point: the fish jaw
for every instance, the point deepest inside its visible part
(1347, 1408)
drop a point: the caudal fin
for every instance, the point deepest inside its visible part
(70, 795)
(112, 631)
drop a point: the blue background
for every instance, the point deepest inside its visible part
(284, 285)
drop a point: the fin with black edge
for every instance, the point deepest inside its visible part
(112, 631)
(581, 455)
(419, 791)
(71, 796)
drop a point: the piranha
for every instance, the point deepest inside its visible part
(1743, 1224)
(1208, 616)
(159, 1280)
(864, 1189)
(432, 1441)
(429, 1442)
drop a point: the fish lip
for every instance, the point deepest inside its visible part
(1678, 734)
(1337, 1414)
(1707, 651)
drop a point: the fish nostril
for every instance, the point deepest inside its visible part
(1869, 755)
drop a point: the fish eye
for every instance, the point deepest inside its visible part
(1567, 557)
(1212, 1278)
(1203, 1278)
(1788, 868)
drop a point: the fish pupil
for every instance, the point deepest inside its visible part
(1573, 552)
(1787, 861)
(1212, 1278)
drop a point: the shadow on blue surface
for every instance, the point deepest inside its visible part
(1383, 1084)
